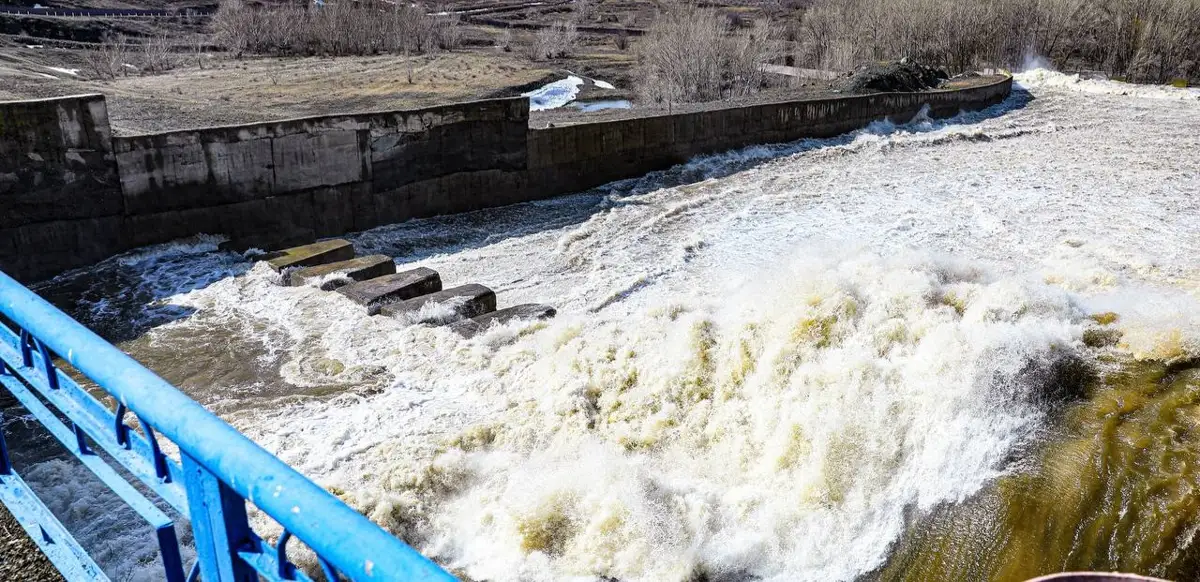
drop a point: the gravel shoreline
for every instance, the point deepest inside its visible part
(20, 558)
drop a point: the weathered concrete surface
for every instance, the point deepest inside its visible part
(392, 288)
(445, 305)
(357, 269)
(318, 253)
(56, 161)
(480, 323)
(318, 177)
(60, 198)
(225, 165)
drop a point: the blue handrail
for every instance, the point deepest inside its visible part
(220, 468)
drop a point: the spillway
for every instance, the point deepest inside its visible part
(839, 359)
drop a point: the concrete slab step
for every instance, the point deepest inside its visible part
(343, 272)
(318, 253)
(480, 323)
(374, 293)
(444, 306)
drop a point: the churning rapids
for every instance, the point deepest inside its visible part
(961, 349)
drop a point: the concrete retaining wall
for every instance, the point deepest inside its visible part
(70, 194)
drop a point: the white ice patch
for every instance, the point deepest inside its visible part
(1046, 79)
(554, 95)
(603, 84)
(73, 72)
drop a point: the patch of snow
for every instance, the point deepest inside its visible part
(554, 95)
(74, 72)
(32, 46)
(603, 84)
(48, 75)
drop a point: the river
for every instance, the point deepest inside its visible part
(949, 350)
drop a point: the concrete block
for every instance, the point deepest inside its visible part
(480, 323)
(305, 161)
(56, 162)
(374, 293)
(444, 306)
(242, 167)
(318, 253)
(357, 269)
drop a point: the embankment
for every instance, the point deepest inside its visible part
(71, 194)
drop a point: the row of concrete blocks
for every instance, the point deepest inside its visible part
(416, 295)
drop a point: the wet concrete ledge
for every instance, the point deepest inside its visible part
(71, 194)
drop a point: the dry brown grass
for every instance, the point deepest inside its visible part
(231, 91)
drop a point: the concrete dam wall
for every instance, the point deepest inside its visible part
(71, 194)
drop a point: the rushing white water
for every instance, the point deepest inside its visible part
(764, 361)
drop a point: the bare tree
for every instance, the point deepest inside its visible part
(692, 54)
(342, 27)
(108, 60)
(556, 41)
(156, 54)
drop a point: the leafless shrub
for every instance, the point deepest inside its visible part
(1142, 40)
(449, 32)
(583, 10)
(345, 27)
(505, 40)
(691, 54)
(197, 47)
(156, 54)
(621, 40)
(556, 41)
(107, 61)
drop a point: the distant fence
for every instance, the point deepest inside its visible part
(72, 194)
(217, 471)
(96, 13)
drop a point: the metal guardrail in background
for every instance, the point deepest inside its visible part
(102, 12)
(219, 468)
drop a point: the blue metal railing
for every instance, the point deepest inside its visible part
(219, 469)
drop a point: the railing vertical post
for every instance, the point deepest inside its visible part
(219, 523)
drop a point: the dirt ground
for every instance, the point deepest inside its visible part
(216, 91)
(45, 57)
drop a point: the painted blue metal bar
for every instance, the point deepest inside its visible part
(162, 524)
(221, 469)
(133, 453)
(45, 529)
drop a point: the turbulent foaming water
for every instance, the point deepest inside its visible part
(876, 356)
